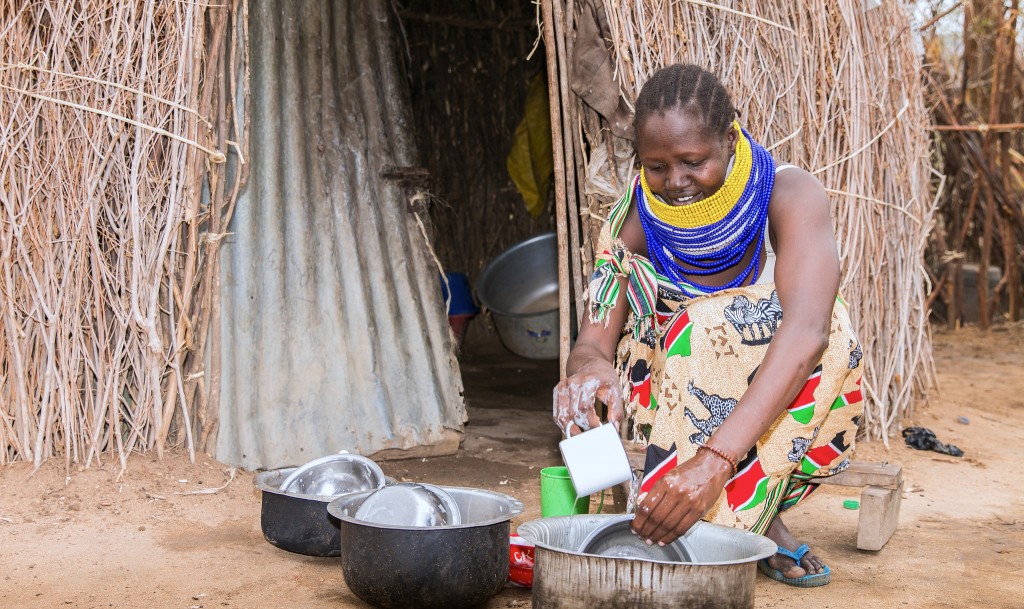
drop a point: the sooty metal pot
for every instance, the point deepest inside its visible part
(293, 522)
(297, 522)
(447, 567)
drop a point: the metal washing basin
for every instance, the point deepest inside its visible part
(721, 575)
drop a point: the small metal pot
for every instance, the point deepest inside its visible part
(296, 522)
(449, 567)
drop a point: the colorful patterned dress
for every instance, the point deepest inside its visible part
(683, 376)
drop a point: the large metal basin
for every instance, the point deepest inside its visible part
(449, 567)
(721, 576)
(520, 288)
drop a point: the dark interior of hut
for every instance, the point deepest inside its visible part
(469, 67)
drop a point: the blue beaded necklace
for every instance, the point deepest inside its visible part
(716, 247)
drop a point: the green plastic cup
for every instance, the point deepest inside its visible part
(558, 496)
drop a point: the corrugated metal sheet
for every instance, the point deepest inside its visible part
(334, 334)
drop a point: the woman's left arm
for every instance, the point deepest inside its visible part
(807, 281)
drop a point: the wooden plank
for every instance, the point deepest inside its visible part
(879, 515)
(447, 445)
(859, 473)
(888, 475)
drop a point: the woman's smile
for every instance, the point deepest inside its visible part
(680, 199)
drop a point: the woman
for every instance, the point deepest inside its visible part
(697, 264)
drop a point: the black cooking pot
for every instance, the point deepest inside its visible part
(450, 567)
(297, 523)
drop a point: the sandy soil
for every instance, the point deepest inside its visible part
(93, 539)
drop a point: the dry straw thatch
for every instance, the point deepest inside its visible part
(119, 149)
(830, 85)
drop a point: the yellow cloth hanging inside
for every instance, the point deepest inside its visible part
(530, 162)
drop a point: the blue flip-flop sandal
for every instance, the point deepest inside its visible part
(807, 581)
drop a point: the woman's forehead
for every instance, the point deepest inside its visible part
(677, 128)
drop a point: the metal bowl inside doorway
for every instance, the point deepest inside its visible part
(443, 567)
(520, 288)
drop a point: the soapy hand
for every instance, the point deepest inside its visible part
(680, 498)
(575, 398)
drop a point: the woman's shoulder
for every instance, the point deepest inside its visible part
(632, 233)
(624, 222)
(796, 191)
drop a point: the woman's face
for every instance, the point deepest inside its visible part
(683, 163)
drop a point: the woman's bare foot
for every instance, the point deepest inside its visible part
(810, 563)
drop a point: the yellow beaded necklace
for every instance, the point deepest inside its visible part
(714, 208)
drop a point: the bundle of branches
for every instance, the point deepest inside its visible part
(117, 176)
(831, 86)
(978, 104)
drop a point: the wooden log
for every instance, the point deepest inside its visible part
(981, 127)
(879, 516)
(563, 42)
(554, 99)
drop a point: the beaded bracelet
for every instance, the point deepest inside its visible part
(720, 453)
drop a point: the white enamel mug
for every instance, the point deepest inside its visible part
(596, 459)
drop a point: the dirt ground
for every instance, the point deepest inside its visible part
(95, 540)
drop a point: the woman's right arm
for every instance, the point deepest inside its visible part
(591, 374)
(590, 369)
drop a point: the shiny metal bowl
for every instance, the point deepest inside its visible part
(334, 475)
(615, 539)
(410, 504)
(519, 288)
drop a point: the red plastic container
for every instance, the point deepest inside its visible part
(520, 562)
(459, 323)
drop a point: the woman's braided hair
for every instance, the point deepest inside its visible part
(688, 87)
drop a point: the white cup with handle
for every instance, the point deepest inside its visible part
(596, 459)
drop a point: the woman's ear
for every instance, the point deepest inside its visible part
(731, 138)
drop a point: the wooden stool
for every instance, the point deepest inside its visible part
(879, 501)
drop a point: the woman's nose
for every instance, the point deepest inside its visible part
(677, 178)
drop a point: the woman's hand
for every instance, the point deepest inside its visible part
(575, 398)
(680, 498)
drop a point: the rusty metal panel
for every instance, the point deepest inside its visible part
(334, 334)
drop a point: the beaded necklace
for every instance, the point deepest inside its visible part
(712, 235)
